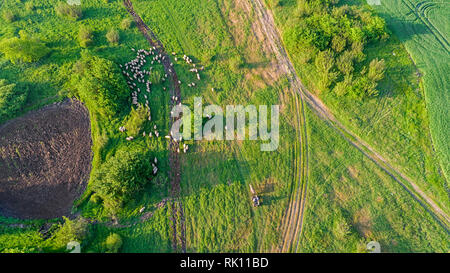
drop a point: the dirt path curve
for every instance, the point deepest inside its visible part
(178, 225)
(322, 111)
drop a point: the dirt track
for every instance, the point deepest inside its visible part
(178, 225)
(322, 111)
(45, 161)
(292, 223)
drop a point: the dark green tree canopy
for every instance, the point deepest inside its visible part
(122, 176)
(98, 83)
(12, 99)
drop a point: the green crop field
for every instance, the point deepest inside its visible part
(422, 27)
(319, 191)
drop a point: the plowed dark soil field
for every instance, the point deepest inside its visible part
(45, 161)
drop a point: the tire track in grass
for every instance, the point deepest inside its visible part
(291, 226)
(418, 11)
(293, 221)
(323, 112)
(178, 220)
(421, 10)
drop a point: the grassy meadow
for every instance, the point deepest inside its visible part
(421, 26)
(397, 121)
(216, 175)
(350, 201)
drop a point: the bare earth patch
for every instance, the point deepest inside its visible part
(363, 222)
(45, 161)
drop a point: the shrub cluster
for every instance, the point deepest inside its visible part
(73, 12)
(113, 36)
(97, 82)
(332, 38)
(11, 99)
(24, 49)
(121, 177)
(85, 36)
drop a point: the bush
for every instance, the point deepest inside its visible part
(85, 36)
(334, 36)
(29, 6)
(73, 12)
(11, 99)
(71, 230)
(155, 77)
(113, 36)
(122, 176)
(126, 23)
(98, 83)
(136, 120)
(9, 16)
(23, 49)
(113, 243)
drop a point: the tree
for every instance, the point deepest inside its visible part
(113, 243)
(375, 27)
(29, 6)
(11, 99)
(85, 36)
(343, 87)
(155, 77)
(73, 12)
(345, 63)
(376, 70)
(324, 63)
(236, 62)
(126, 23)
(9, 16)
(357, 51)
(136, 120)
(97, 82)
(338, 43)
(122, 176)
(23, 49)
(366, 85)
(71, 230)
(113, 36)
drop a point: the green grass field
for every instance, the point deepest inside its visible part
(219, 173)
(397, 122)
(351, 201)
(424, 30)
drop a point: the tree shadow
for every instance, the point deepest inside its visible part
(416, 27)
